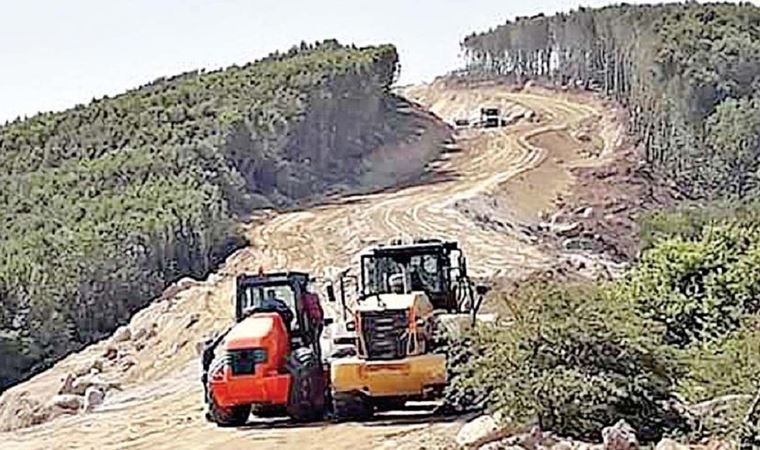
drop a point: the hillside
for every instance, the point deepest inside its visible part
(689, 75)
(105, 204)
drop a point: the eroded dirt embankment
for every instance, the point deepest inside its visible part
(509, 176)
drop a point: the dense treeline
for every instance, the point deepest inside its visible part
(688, 73)
(103, 205)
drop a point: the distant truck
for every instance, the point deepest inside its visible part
(490, 117)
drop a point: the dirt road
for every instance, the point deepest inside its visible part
(160, 404)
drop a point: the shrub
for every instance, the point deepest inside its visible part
(708, 375)
(688, 220)
(722, 370)
(575, 359)
(699, 289)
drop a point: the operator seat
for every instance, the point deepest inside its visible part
(416, 280)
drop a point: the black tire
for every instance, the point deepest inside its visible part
(388, 403)
(266, 411)
(351, 406)
(306, 400)
(235, 416)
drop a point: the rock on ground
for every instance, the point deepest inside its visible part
(144, 333)
(500, 446)
(576, 445)
(719, 445)
(67, 387)
(81, 384)
(533, 440)
(179, 286)
(587, 446)
(93, 398)
(669, 444)
(478, 430)
(96, 365)
(19, 409)
(110, 353)
(69, 402)
(563, 445)
(122, 334)
(620, 436)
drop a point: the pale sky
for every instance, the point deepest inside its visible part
(57, 53)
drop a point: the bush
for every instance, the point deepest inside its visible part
(699, 289)
(708, 377)
(575, 359)
(721, 370)
(688, 220)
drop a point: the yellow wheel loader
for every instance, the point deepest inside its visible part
(406, 293)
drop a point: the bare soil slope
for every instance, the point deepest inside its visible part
(509, 176)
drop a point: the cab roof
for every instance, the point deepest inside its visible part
(271, 278)
(414, 248)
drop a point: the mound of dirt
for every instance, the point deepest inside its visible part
(156, 339)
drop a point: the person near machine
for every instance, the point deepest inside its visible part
(396, 283)
(273, 303)
(315, 316)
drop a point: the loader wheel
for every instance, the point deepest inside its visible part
(306, 400)
(266, 411)
(235, 416)
(389, 403)
(348, 406)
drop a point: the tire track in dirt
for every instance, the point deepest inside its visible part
(161, 406)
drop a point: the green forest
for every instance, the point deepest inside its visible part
(105, 204)
(689, 75)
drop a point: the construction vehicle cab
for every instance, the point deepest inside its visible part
(269, 360)
(437, 268)
(403, 289)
